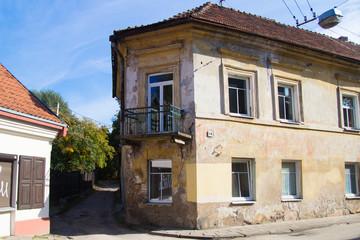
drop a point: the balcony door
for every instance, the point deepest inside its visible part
(160, 97)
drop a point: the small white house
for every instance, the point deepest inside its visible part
(27, 129)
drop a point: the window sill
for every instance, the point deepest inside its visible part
(352, 197)
(249, 202)
(241, 116)
(160, 203)
(356, 130)
(7, 209)
(290, 122)
(291, 199)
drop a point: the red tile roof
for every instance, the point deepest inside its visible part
(213, 14)
(16, 97)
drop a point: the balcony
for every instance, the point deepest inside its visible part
(153, 122)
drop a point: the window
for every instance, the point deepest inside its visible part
(287, 100)
(242, 180)
(7, 181)
(350, 111)
(160, 189)
(290, 180)
(240, 92)
(31, 182)
(160, 98)
(351, 180)
(239, 96)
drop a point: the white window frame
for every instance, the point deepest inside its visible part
(149, 181)
(247, 90)
(161, 87)
(251, 173)
(355, 97)
(297, 196)
(295, 85)
(356, 166)
(242, 74)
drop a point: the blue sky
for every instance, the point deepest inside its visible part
(64, 45)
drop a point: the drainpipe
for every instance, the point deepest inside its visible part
(116, 52)
(122, 81)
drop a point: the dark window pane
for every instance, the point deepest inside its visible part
(235, 185)
(243, 102)
(281, 91)
(161, 78)
(289, 108)
(155, 185)
(244, 185)
(345, 113)
(282, 107)
(168, 95)
(233, 101)
(351, 118)
(155, 97)
(239, 167)
(237, 83)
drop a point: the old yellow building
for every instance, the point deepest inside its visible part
(229, 118)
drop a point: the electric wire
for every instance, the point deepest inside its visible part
(300, 9)
(101, 123)
(311, 9)
(341, 3)
(290, 10)
(349, 31)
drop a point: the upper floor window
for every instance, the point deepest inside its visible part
(288, 100)
(239, 92)
(350, 111)
(239, 96)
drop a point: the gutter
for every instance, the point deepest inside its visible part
(34, 120)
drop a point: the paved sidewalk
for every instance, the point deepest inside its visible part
(261, 229)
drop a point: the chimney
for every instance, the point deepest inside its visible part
(344, 38)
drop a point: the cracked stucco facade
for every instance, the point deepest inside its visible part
(201, 58)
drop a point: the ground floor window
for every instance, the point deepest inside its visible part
(160, 181)
(351, 180)
(242, 180)
(7, 185)
(290, 179)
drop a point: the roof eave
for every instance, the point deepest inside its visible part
(161, 25)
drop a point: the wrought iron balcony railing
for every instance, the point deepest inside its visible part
(155, 119)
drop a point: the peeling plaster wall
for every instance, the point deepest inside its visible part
(201, 59)
(156, 53)
(318, 141)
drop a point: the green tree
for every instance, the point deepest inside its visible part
(51, 99)
(86, 145)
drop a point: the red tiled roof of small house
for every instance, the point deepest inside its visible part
(214, 14)
(16, 97)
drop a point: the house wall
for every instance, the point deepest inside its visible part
(19, 138)
(156, 53)
(201, 59)
(317, 140)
